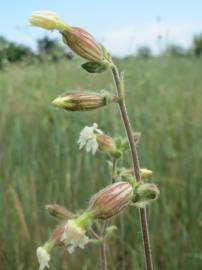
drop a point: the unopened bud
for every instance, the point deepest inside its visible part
(59, 211)
(137, 136)
(111, 200)
(106, 144)
(145, 173)
(83, 44)
(83, 101)
(57, 234)
(144, 194)
(128, 173)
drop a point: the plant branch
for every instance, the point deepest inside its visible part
(135, 161)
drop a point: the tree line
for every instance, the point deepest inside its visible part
(47, 50)
(51, 50)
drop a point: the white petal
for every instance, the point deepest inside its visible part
(43, 257)
(74, 236)
(88, 138)
(89, 145)
(94, 147)
(71, 249)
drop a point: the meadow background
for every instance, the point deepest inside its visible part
(40, 162)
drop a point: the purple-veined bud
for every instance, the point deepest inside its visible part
(57, 234)
(83, 101)
(83, 44)
(144, 194)
(59, 211)
(111, 200)
(106, 144)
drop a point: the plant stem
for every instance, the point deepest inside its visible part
(103, 258)
(113, 175)
(135, 161)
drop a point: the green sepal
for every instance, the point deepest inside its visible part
(94, 241)
(96, 67)
(110, 230)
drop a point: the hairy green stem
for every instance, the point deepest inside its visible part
(135, 161)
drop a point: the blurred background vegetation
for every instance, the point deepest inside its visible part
(40, 162)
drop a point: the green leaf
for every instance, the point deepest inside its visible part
(96, 67)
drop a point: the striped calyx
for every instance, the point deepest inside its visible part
(111, 200)
(83, 44)
(83, 101)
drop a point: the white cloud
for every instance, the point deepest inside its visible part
(126, 40)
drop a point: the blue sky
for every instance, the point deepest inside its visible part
(121, 25)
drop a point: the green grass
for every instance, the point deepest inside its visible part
(40, 162)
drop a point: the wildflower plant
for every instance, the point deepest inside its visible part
(126, 186)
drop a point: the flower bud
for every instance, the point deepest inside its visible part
(59, 211)
(137, 136)
(145, 173)
(144, 194)
(111, 200)
(83, 44)
(57, 234)
(80, 41)
(83, 101)
(107, 145)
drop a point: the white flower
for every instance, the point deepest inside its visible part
(43, 257)
(88, 138)
(45, 19)
(74, 236)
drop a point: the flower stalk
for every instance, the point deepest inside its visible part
(135, 162)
